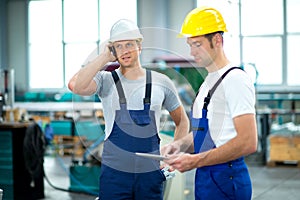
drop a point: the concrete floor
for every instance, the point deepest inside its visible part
(275, 183)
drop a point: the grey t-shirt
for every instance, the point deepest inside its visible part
(163, 95)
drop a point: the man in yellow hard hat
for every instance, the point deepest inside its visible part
(132, 99)
(222, 117)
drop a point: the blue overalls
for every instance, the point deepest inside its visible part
(123, 174)
(229, 180)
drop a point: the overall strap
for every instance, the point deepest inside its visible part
(122, 98)
(147, 99)
(212, 90)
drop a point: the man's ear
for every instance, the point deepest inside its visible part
(218, 39)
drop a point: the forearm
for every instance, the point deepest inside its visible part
(227, 152)
(181, 133)
(186, 143)
(184, 162)
(85, 75)
(182, 124)
(243, 144)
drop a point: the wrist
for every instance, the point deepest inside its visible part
(101, 61)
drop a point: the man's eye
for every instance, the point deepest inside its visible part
(129, 45)
(118, 46)
(197, 45)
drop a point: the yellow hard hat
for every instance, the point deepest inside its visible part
(201, 21)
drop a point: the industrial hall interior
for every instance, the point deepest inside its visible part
(143, 99)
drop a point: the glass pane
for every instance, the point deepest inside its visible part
(109, 14)
(232, 48)
(46, 65)
(261, 17)
(265, 53)
(293, 65)
(45, 50)
(45, 21)
(76, 56)
(293, 15)
(81, 20)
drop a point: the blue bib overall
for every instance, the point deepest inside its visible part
(123, 174)
(229, 180)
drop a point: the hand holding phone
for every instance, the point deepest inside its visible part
(113, 51)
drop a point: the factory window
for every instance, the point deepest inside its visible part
(268, 35)
(45, 46)
(262, 37)
(62, 33)
(293, 42)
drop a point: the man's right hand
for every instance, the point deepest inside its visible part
(109, 53)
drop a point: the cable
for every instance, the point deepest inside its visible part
(34, 146)
(57, 188)
(84, 188)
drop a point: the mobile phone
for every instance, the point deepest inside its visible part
(113, 51)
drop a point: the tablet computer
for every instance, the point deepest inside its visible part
(152, 156)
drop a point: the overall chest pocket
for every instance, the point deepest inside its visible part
(137, 117)
(140, 117)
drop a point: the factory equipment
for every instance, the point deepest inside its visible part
(7, 86)
(7, 93)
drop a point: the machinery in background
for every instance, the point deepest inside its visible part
(1, 107)
(7, 94)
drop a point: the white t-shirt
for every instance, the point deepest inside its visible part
(163, 95)
(233, 97)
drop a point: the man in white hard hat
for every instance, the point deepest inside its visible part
(132, 99)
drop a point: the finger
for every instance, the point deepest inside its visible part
(162, 165)
(171, 169)
(166, 150)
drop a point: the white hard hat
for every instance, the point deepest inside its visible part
(125, 29)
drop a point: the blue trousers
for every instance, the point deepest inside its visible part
(224, 181)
